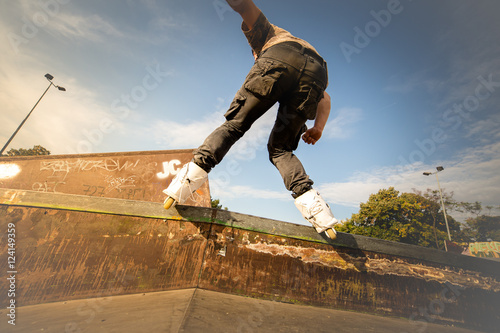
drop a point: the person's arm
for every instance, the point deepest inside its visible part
(312, 135)
(248, 11)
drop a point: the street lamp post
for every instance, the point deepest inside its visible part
(49, 78)
(439, 169)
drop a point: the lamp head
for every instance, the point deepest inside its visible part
(61, 88)
(427, 173)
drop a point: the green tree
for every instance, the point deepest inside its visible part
(216, 204)
(433, 213)
(36, 150)
(408, 217)
(472, 208)
(478, 227)
(482, 228)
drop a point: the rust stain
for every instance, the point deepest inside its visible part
(463, 278)
(380, 266)
(68, 255)
(307, 255)
(290, 270)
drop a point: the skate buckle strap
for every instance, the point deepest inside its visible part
(187, 181)
(315, 209)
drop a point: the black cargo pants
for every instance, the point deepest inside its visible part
(285, 73)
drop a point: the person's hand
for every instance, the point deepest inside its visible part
(237, 5)
(247, 9)
(312, 135)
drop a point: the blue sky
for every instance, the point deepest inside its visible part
(414, 85)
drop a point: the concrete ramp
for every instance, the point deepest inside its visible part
(111, 264)
(197, 310)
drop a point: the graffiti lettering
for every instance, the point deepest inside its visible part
(46, 186)
(169, 168)
(86, 165)
(485, 250)
(119, 183)
(133, 194)
(94, 190)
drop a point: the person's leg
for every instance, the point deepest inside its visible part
(263, 86)
(266, 82)
(245, 109)
(284, 139)
(296, 106)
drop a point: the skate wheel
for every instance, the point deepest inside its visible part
(168, 203)
(331, 234)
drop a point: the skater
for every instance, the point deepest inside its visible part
(287, 70)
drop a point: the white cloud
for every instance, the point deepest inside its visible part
(475, 176)
(220, 190)
(341, 127)
(63, 122)
(406, 84)
(175, 135)
(34, 19)
(472, 176)
(485, 130)
(59, 120)
(93, 27)
(349, 194)
(178, 135)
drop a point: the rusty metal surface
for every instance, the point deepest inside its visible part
(304, 233)
(273, 267)
(133, 176)
(65, 254)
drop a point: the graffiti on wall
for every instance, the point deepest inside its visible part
(129, 176)
(485, 249)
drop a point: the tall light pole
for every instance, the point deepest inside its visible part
(49, 78)
(439, 169)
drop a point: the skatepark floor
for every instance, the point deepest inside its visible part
(197, 310)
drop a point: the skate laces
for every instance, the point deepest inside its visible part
(186, 180)
(314, 208)
(193, 180)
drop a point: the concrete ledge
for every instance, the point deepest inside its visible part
(240, 221)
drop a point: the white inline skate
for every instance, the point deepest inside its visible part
(187, 181)
(315, 210)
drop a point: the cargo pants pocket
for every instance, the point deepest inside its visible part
(262, 81)
(308, 98)
(236, 105)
